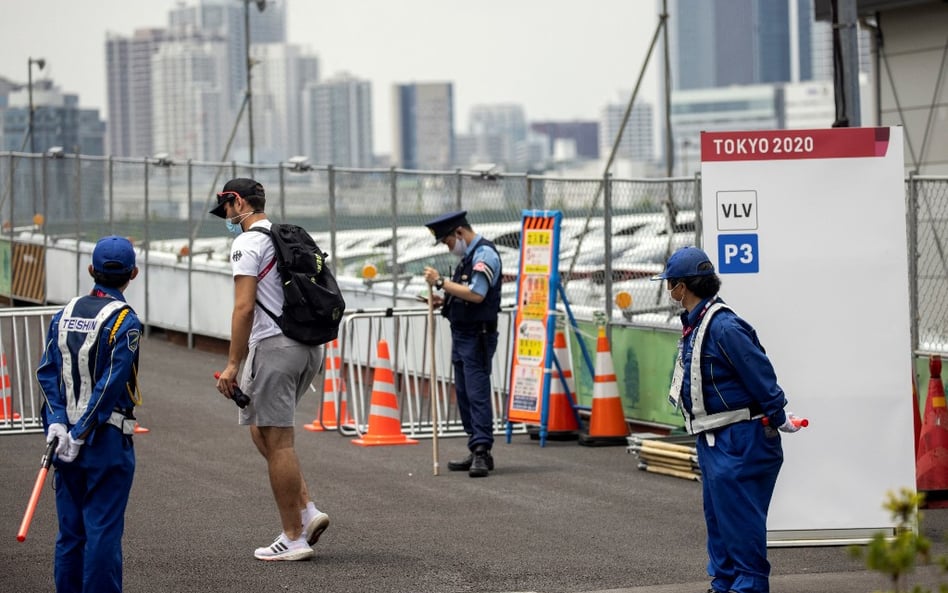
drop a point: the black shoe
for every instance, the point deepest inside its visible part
(482, 463)
(461, 465)
(480, 467)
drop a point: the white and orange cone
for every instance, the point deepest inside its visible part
(334, 394)
(385, 425)
(607, 425)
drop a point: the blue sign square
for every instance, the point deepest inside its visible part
(738, 254)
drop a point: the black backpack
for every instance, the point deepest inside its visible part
(312, 302)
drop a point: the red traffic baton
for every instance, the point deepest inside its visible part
(798, 422)
(37, 490)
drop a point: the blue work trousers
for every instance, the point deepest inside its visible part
(738, 476)
(471, 355)
(91, 496)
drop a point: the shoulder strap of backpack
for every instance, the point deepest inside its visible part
(278, 255)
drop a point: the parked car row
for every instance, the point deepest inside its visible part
(640, 244)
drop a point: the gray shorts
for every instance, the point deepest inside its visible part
(276, 374)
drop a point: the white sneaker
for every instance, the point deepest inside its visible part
(284, 549)
(314, 527)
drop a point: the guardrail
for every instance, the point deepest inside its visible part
(406, 330)
(22, 338)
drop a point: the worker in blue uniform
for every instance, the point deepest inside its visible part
(471, 303)
(726, 389)
(88, 375)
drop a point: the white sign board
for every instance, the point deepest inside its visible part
(807, 231)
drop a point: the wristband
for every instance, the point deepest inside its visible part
(439, 283)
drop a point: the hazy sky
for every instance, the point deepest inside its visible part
(560, 59)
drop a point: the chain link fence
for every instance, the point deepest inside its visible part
(616, 233)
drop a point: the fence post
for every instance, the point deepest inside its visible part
(145, 318)
(45, 171)
(332, 216)
(190, 259)
(458, 193)
(282, 195)
(78, 221)
(912, 222)
(394, 190)
(607, 235)
(529, 205)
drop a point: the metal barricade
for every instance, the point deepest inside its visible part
(406, 330)
(22, 337)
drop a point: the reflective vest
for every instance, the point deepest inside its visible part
(82, 328)
(698, 420)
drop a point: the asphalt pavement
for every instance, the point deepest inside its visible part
(558, 519)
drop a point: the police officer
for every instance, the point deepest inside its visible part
(88, 375)
(471, 302)
(727, 391)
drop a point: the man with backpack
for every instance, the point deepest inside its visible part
(277, 370)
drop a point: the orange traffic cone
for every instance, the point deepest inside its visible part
(931, 465)
(607, 425)
(334, 391)
(6, 399)
(385, 425)
(561, 421)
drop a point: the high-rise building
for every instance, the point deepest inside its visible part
(225, 18)
(423, 121)
(584, 133)
(6, 87)
(337, 122)
(729, 42)
(58, 121)
(190, 112)
(497, 130)
(637, 142)
(128, 66)
(280, 75)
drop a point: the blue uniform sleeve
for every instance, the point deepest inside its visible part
(116, 359)
(487, 270)
(739, 344)
(48, 376)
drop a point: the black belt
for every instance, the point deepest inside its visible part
(484, 327)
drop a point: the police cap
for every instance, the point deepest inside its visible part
(444, 225)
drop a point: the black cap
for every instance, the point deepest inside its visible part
(241, 186)
(444, 225)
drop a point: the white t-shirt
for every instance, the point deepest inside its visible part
(252, 254)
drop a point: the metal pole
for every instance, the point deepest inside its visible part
(282, 195)
(190, 260)
(912, 216)
(846, 63)
(669, 146)
(146, 248)
(248, 66)
(29, 84)
(332, 217)
(607, 232)
(394, 190)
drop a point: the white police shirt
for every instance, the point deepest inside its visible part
(252, 254)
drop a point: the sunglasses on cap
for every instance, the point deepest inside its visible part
(229, 196)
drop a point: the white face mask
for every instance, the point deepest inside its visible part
(460, 246)
(673, 299)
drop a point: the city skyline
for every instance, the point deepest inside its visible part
(529, 53)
